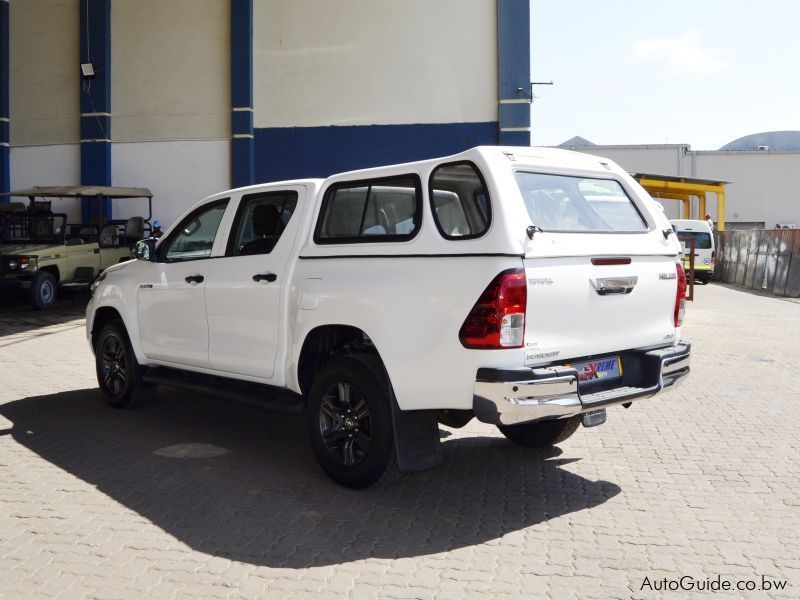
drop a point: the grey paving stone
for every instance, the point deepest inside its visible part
(702, 481)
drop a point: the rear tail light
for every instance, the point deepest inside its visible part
(680, 295)
(713, 258)
(498, 318)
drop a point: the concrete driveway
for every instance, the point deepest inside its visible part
(189, 497)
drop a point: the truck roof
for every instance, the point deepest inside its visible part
(529, 155)
(525, 154)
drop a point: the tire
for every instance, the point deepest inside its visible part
(43, 291)
(542, 434)
(349, 420)
(119, 376)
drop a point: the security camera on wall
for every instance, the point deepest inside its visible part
(87, 70)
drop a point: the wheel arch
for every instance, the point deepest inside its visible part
(102, 317)
(325, 341)
(415, 433)
(53, 270)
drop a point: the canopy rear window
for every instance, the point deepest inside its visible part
(578, 204)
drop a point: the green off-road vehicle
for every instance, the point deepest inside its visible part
(40, 252)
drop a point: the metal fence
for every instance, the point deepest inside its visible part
(761, 259)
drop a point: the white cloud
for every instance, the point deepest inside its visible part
(681, 55)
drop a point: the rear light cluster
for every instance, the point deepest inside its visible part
(498, 318)
(680, 295)
(713, 259)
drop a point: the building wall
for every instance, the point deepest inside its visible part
(179, 173)
(43, 73)
(367, 62)
(170, 70)
(355, 83)
(44, 110)
(764, 184)
(49, 165)
(170, 102)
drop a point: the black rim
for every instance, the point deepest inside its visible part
(345, 424)
(113, 369)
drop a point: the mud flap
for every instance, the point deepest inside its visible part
(416, 439)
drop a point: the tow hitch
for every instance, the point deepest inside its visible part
(593, 418)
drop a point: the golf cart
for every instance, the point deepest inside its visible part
(40, 252)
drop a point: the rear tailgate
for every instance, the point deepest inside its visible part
(577, 308)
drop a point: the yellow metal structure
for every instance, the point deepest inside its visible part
(682, 189)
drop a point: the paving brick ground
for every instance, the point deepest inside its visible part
(703, 481)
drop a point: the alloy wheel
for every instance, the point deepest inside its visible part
(113, 367)
(345, 424)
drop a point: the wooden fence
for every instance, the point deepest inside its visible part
(761, 259)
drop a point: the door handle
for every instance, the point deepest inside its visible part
(194, 279)
(269, 277)
(614, 285)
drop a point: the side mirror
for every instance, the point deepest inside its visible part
(145, 250)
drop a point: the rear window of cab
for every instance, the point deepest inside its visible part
(578, 204)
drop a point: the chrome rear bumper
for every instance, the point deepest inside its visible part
(514, 396)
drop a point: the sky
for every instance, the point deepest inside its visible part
(702, 72)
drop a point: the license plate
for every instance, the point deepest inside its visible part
(602, 369)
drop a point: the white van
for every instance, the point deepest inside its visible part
(705, 252)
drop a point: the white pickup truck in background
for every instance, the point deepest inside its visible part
(529, 288)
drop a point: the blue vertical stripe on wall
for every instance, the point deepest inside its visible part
(301, 152)
(514, 64)
(5, 163)
(242, 140)
(95, 96)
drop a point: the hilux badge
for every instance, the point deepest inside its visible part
(667, 275)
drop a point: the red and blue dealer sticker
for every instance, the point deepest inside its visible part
(603, 369)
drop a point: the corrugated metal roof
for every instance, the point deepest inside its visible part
(576, 141)
(630, 146)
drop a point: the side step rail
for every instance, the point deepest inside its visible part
(270, 398)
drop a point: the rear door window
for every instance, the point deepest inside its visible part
(260, 221)
(578, 204)
(460, 201)
(376, 210)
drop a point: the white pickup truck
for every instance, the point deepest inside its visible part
(528, 288)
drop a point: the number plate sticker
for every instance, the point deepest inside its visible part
(602, 369)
